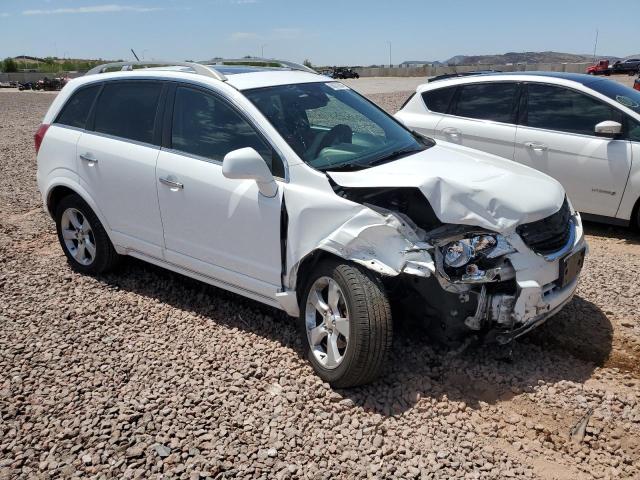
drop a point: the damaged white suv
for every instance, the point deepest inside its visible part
(290, 188)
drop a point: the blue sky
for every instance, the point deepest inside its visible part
(325, 31)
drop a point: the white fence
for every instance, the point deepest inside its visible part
(430, 71)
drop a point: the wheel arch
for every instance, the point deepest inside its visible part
(59, 188)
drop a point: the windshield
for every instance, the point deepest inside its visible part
(622, 94)
(331, 127)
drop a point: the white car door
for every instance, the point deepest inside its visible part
(117, 161)
(558, 137)
(483, 117)
(222, 228)
(424, 110)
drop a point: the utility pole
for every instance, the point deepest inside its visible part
(595, 46)
(390, 64)
(262, 50)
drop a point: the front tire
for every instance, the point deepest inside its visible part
(346, 324)
(83, 238)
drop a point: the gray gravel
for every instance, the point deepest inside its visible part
(147, 374)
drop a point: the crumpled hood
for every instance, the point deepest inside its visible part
(466, 186)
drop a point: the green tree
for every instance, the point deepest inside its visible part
(9, 65)
(307, 63)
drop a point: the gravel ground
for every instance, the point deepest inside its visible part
(146, 374)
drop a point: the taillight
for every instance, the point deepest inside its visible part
(636, 84)
(39, 136)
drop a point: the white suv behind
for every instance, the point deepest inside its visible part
(289, 188)
(584, 131)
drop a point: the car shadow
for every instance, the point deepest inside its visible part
(568, 347)
(626, 234)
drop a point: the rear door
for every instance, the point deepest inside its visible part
(557, 137)
(483, 117)
(117, 161)
(427, 111)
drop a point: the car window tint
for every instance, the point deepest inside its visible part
(438, 100)
(128, 110)
(558, 108)
(76, 110)
(487, 101)
(634, 130)
(206, 126)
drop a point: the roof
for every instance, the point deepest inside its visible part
(239, 76)
(563, 77)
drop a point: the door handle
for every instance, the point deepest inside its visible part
(451, 131)
(171, 183)
(88, 157)
(538, 147)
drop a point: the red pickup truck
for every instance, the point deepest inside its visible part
(600, 68)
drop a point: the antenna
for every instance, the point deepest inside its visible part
(134, 54)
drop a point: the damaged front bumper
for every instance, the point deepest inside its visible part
(540, 287)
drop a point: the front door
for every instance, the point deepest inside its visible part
(213, 225)
(558, 138)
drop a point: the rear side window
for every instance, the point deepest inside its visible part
(487, 101)
(561, 109)
(438, 100)
(76, 110)
(206, 126)
(128, 110)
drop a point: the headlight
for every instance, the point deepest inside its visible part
(475, 258)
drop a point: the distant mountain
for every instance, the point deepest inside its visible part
(523, 57)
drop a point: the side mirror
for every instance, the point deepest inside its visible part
(608, 128)
(246, 163)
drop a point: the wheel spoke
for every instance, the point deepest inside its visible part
(333, 355)
(73, 218)
(91, 248)
(317, 334)
(80, 252)
(342, 326)
(333, 296)
(69, 234)
(316, 300)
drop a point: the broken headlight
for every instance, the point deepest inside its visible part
(474, 259)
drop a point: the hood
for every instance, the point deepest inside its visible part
(466, 186)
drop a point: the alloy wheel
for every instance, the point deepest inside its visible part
(78, 236)
(327, 322)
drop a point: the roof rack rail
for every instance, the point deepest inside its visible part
(248, 60)
(196, 67)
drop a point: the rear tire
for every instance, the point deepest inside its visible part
(358, 297)
(83, 238)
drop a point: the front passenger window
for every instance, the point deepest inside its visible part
(561, 109)
(206, 126)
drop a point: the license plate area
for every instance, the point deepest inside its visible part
(570, 267)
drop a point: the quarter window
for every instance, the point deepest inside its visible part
(438, 100)
(487, 101)
(206, 126)
(561, 109)
(76, 110)
(128, 110)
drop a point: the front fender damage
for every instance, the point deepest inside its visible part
(386, 242)
(382, 241)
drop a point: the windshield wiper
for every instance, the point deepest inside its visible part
(395, 155)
